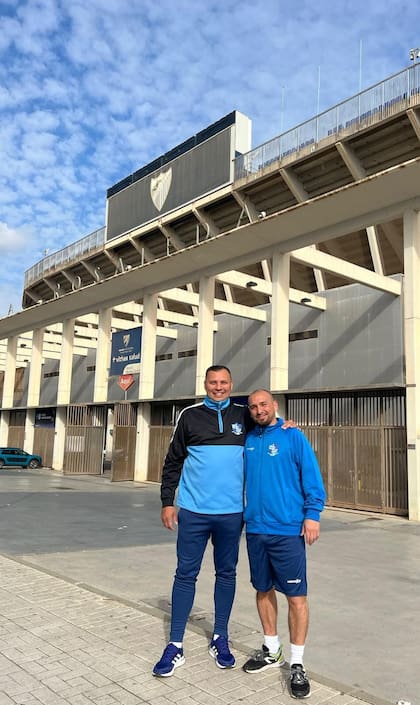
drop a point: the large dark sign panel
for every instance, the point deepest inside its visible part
(198, 166)
(125, 352)
(186, 178)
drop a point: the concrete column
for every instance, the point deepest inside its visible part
(29, 430)
(66, 363)
(412, 356)
(4, 427)
(35, 370)
(9, 373)
(281, 401)
(148, 347)
(103, 355)
(59, 438)
(205, 331)
(279, 359)
(142, 442)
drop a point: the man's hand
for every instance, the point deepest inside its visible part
(289, 423)
(310, 530)
(169, 518)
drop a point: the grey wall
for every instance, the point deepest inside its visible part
(359, 343)
(49, 385)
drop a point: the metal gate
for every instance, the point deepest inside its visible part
(164, 416)
(85, 435)
(44, 444)
(363, 457)
(363, 468)
(158, 447)
(16, 433)
(124, 442)
(16, 436)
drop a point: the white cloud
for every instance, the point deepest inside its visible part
(11, 240)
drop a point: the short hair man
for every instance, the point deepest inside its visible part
(205, 457)
(284, 498)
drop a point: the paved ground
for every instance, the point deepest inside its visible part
(85, 577)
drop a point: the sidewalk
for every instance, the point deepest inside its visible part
(64, 644)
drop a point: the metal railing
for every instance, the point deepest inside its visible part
(72, 253)
(368, 107)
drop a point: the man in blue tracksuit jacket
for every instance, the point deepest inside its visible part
(284, 496)
(205, 458)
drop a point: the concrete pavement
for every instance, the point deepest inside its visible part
(85, 580)
(62, 644)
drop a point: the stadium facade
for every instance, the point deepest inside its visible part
(295, 263)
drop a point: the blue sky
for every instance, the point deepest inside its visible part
(92, 90)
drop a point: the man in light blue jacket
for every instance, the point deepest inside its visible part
(284, 498)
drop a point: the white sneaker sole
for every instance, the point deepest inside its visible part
(219, 665)
(277, 664)
(180, 662)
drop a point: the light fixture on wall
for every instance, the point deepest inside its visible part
(251, 284)
(305, 300)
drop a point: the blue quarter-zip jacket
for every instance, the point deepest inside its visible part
(205, 457)
(283, 483)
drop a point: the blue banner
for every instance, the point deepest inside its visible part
(125, 352)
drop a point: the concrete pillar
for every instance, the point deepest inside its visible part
(35, 370)
(279, 354)
(281, 401)
(66, 363)
(148, 348)
(205, 331)
(412, 356)
(9, 373)
(103, 356)
(142, 442)
(29, 430)
(4, 427)
(59, 438)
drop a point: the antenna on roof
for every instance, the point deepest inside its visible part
(282, 109)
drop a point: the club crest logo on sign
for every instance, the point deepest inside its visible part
(159, 187)
(126, 340)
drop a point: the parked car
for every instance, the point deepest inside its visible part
(17, 456)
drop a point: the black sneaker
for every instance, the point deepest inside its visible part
(264, 659)
(300, 686)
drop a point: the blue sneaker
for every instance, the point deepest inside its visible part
(219, 649)
(172, 657)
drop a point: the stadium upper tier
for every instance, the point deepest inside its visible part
(365, 136)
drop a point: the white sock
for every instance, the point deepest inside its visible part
(272, 643)
(178, 644)
(296, 654)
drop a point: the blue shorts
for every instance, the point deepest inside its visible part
(279, 562)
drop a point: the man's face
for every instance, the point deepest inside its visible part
(262, 408)
(218, 385)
